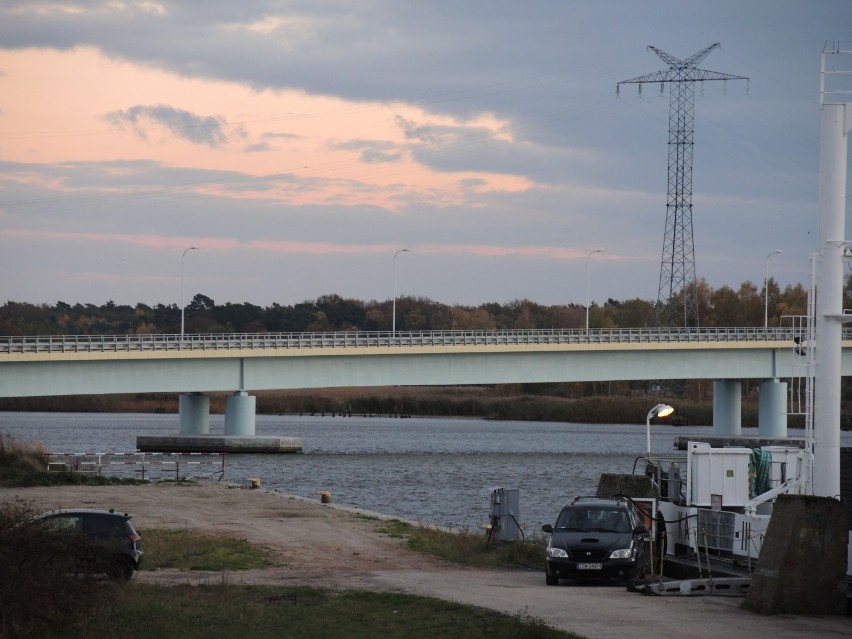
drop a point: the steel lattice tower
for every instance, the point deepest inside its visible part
(677, 297)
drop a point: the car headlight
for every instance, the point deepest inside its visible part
(621, 553)
(556, 552)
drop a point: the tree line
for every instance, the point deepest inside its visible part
(723, 306)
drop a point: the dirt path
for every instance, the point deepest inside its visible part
(333, 547)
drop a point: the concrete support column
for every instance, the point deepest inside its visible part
(239, 414)
(727, 408)
(194, 412)
(772, 409)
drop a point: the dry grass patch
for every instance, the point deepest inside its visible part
(468, 548)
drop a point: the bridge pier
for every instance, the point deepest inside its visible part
(727, 408)
(239, 414)
(194, 412)
(239, 434)
(772, 409)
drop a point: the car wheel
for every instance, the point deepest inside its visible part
(550, 579)
(121, 569)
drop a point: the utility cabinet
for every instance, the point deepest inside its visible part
(717, 471)
(505, 514)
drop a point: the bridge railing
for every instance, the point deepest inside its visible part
(384, 339)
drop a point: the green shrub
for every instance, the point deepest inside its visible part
(44, 580)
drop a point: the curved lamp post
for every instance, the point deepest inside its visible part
(588, 283)
(393, 321)
(660, 410)
(766, 288)
(191, 248)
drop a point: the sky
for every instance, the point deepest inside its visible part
(300, 145)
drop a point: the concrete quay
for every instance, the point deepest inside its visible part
(217, 444)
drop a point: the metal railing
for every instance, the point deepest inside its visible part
(210, 466)
(384, 339)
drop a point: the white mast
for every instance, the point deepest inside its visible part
(829, 279)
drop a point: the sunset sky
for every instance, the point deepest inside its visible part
(301, 144)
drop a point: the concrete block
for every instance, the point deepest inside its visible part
(611, 484)
(802, 564)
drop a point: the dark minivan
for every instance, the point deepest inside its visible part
(595, 538)
(110, 541)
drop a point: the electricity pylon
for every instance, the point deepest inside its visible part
(677, 297)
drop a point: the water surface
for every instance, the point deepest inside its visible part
(435, 470)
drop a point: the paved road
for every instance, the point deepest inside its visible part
(600, 611)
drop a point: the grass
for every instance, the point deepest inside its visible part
(143, 611)
(467, 548)
(190, 550)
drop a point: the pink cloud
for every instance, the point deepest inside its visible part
(311, 248)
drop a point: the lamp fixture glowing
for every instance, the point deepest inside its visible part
(660, 410)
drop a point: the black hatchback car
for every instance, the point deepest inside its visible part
(595, 538)
(110, 542)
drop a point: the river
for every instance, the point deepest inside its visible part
(435, 470)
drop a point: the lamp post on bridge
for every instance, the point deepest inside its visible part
(588, 283)
(766, 288)
(395, 255)
(182, 305)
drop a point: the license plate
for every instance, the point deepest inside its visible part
(589, 566)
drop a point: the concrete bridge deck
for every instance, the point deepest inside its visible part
(10, 347)
(67, 365)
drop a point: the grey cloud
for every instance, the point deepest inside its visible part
(89, 194)
(207, 130)
(374, 156)
(533, 64)
(279, 136)
(257, 147)
(432, 133)
(264, 145)
(551, 216)
(372, 151)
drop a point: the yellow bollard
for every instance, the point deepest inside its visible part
(254, 483)
(325, 497)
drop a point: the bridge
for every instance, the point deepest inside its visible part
(100, 364)
(193, 365)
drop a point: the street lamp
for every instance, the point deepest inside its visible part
(393, 322)
(588, 283)
(660, 410)
(191, 248)
(766, 288)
